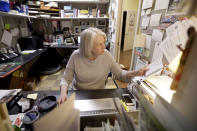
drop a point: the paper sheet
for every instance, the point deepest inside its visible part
(147, 4)
(154, 67)
(169, 49)
(157, 53)
(173, 29)
(28, 51)
(142, 13)
(32, 96)
(140, 40)
(15, 32)
(7, 38)
(145, 21)
(157, 35)
(161, 4)
(155, 19)
(148, 41)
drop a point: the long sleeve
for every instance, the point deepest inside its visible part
(116, 70)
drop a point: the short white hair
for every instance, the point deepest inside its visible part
(87, 40)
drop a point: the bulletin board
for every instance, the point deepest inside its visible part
(161, 32)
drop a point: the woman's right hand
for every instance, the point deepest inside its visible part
(63, 95)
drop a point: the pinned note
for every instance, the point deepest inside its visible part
(7, 38)
(161, 4)
(140, 40)
(155, 19)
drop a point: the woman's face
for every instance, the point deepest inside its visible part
(98, 46)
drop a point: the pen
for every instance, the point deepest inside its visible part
(124, 105)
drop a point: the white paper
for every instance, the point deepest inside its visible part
(157, 53)
(7, 38)
(169, 49)
(173, 29)
(15, 32)
(155, 19)
(28, 51)
(145, 21)
(154, 67)
(24, 32)
(148, 41)
(161, 4)
(147, 4)
(157, 35)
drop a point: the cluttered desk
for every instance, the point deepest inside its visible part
(14, 64)
(89, 107)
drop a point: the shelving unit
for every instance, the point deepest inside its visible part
(15, 15)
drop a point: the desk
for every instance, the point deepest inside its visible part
(84, 94)
(22, 60)
(75, 46)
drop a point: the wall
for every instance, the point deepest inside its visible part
(131, 4)
(131, 7)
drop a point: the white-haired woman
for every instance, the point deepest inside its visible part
(88, 67)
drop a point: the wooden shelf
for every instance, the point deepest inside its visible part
(35, 17)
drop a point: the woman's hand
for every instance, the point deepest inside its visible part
(142, 71)
(63, 95)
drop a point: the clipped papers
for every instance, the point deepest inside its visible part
(145, 21)
(161, 4)
(155, 19)
(157, 54)
(148, 41)
(147, 4)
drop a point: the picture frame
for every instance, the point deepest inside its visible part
(77, 29)
(101, 23)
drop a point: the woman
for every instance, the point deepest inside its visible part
(91, 64)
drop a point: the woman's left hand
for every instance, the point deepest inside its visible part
(142, 71)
